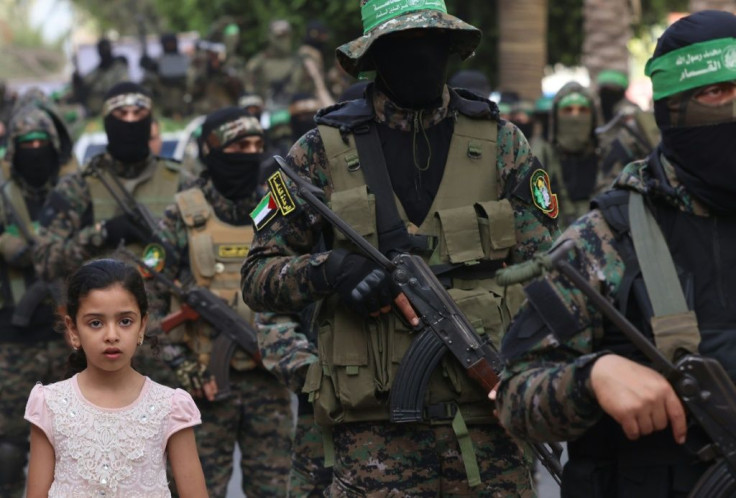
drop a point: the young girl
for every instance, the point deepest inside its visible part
(106, 431)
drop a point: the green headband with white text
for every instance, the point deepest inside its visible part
(379, 11)
(696, 65)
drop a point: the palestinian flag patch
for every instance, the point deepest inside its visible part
(154, 257)
(264, 212)
(542, 195)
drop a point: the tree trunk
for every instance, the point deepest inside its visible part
(522, 48)
(607, 28)
(729, 5)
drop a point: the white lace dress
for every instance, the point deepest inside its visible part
(118, 452)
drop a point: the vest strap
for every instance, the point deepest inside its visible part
(466, 449)
(674, 326)
(328, 446)
(392, 233)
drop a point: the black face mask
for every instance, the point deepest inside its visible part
(105, 53)
(526, 128)
(128, 141)
(300, 125)
(704, 158)
(234, 175)
(609, 98)
(36, 166)
(412, 71)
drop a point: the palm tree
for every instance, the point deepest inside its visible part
(522, 49)
(607, 29)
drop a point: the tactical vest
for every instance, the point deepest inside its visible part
(603, 462)
(154, 188)
(216, 253)
(466, 225)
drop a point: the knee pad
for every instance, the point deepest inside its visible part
(13, 460)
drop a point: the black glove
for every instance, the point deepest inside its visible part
(362, 285)
(121, 227)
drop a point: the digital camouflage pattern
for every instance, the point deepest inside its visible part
(229, 132)
(545, 392)
(67, 236)
(258, 416)
(23, 365)
(632, 138)
(275, 276)
(287, 353)
(383, 457)
(28, 119)
(465, 38)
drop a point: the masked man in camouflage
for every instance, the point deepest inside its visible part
(571, 374)
(570, 156)
(30, 350)
(90, 89)
(453, 168)
(277, 72)
(209, 230)
(83, 220)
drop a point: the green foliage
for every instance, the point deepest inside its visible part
(565, 33)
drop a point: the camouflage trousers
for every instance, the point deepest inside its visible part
(21, 367)
(148, 362)
(309, 477)
(259, 418)
(416, 460)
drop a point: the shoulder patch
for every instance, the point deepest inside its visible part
(265, 211)
(542, 195)
(281, 194)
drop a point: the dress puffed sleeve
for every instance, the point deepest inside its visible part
(38, 413)
(184, 413)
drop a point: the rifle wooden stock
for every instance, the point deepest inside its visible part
(173, 320)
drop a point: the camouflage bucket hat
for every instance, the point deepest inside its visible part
(382, 17)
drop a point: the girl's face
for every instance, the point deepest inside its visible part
(108, 328)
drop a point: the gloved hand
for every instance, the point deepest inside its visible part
(14, 250)
(121, 227)
(193, 377)
(362, 285)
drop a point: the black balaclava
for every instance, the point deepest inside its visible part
(127, 141)
(169, 43)
(36, 167)
(412, 71)
(610, 96)
(104, 49)
(704, 157)
(317, 35)
(234, 175)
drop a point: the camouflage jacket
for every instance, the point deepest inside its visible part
(68, 235)
(276, 273)
(545, 392)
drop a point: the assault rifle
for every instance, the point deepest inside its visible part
(443, 327)
(39, 290)
(229, 328)
(701, 383)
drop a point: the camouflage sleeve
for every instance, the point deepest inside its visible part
(285, 351)
(545, 391)
(173, 233)
(66, 236)
(535, 229)
(280, 273)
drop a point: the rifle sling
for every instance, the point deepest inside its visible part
(392, 232)
(674, 326)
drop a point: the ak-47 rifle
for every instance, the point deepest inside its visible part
(230, 330)
(701, 383)
(39, 290)
(443, 327)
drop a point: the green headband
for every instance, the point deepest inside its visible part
(574, 98)
(699, 64)
(33, 135)
(232, 29)
(612, 77)
(377, 12)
